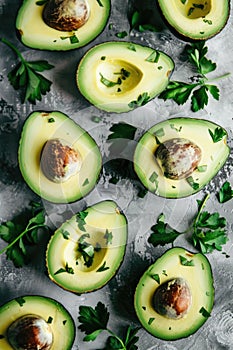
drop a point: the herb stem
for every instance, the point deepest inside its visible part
(20, 236)
(9, 44)
(224, 76)
(200, 210)
(119, 339)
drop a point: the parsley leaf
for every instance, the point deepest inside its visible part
(25, 76)
(95, 320)
(225, 192)
(218, 134)
(80, 218)
(141, 100)
(208, 231)
(180, 91)
(21, 233)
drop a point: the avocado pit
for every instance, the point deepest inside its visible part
(30, 332)
(59, 161)
(66, 15)
(173, 298)
(178, 158)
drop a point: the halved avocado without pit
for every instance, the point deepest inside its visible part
(175, 295)
(38, 28)
(196, 20)
(86, 251)
(120, 76)
(33, 321)
(58, 159)
(178, 157)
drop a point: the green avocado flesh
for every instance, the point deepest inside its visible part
(196, 20)
(35, 33)
(176, 263)
(87, 250)
(38, 129)
(58, 318)
(213, 156)
(119, 76)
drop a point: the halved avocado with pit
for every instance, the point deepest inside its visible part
(54, 322)
(196, 20)
(178, 157)
(120, 76)
(57, 140)
(175, 295)
(87, 250)
(34, 32)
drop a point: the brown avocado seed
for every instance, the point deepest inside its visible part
(30, 332)
(66, 15)
(173, 298)
(59, 161)
(178, 158)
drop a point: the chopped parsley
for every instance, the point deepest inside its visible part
(153, 57)
(102, 267)
(86, 182)
(50, 320)
(141, 100)
(151, 320)
(73, 38)
(51, 120)
(67, 269)
(121, 35)
(204, 312)
(108, 236)
(218, 134)
(225, 193)
(185, 262)
(80, 219)
(156, 278)
(65, 234)
(192, 183)
(21, 301)
(100, 3)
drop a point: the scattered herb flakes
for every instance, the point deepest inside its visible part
(151, 320)
(25, 76)
(225, 193)
(153, 57)
(103, 58)
(185, 262)
(108, 236)
(80, 219)
(144, 308)
(51, 120)
(94, 321)
(65, 234)
(202, 168)
(192, 183)
(121, 35)
(160, 67)
(164, 272)
(141, 100)
(50, 320)
(67, 269)
(190, 11)
(218, 134)
(132, 47)
(64, 322)
(172, 126)
(109, 83)
(156, 277)
(183, 1)
(208, 21)
(72, 38)
(154, 179)
(100, 3)
(102, 267)
(21, 301)
(86, 182)
(159, 133)
(204, 312)
(86, 249)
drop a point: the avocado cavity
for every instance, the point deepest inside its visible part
(66, 15)
(30, 332)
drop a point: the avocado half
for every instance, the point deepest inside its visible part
(119, 76)
(196, 20)
(213, 156)
(87, 250)
(195, 272)
(41, 127)
(35, 33)
(58, 318)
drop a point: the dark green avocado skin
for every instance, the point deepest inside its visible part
(184, 37)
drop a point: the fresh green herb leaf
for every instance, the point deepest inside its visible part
(22, 232)
(177, 91)
(225, 192)
(65, 234)
(72, 38)
(122, 35)
(51, 120)
(21, 301)
(202, 168)
(86, 182)
(153, 57)
(86, 249)
(199, 99)
(100, 3)
(108, 236)
(80, 219)
(50, 320)
(151, 320)
(141, 100)
(185, 262)
(109, 83)
(25, 76)
(132, 47)
(161, 233)
(192, 183)
(218, 134)
(204, 312)
(122, 131)
(156, 278)
(67, 269)
(102, 267)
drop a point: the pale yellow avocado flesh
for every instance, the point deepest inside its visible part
(200, 281)
(197, 20)
(107, 60)
(35, 33)
(61, 322)
(101, 217)
(214, 155)
(38, 129)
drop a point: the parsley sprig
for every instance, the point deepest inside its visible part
(208, 230)
(25, 76)
(22, 232)
(95, 320)
(201, 87)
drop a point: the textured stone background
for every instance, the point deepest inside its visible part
(217, 333)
